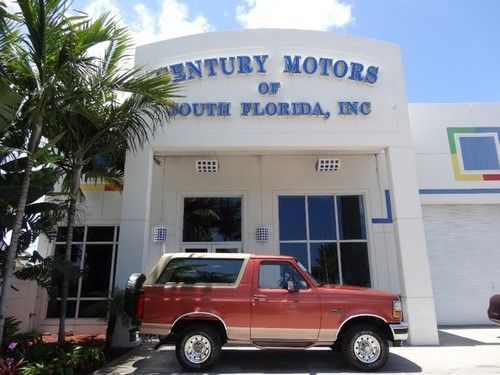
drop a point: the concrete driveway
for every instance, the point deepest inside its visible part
(462, 351)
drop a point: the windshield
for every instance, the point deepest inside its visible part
(307, 272)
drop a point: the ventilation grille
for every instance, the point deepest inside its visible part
(328, 165)
(160, 234)
(262, 234)
(207, 166)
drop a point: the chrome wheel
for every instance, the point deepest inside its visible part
(366, 348)
(197, 349)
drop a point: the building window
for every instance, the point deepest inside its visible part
(93, 250)
(212, 219)
(327, 234)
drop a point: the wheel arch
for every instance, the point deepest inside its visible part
(200, 317)
(374, 320)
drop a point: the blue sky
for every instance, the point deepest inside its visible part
(450, 48)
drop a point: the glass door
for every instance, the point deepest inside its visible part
(196, 248)
(234, 247)
(226, 248)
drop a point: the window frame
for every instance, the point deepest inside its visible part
(173, 283)
(337, 241)
(182, 195)
(83, 243)
(280, 263)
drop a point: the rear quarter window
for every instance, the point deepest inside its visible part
(201, 271)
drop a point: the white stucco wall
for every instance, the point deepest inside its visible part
(429, 123)
(259, 179)
(461, 216)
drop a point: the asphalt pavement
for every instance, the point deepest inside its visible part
(462, 350)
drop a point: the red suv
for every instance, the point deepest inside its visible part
(208, 300)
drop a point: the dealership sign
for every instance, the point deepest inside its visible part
(256, 64)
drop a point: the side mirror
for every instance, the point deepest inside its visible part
(291, 286)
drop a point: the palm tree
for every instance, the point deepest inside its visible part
(45, 46)
(100, 127)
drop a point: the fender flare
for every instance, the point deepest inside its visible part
(199, 314)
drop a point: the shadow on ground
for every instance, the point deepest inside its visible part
(269, 361)
(450, 339)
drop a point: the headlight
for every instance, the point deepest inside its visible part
(397, 309)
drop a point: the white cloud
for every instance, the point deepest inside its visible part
(149, 25)
(98, 7)
(295, 14)
(174, 21)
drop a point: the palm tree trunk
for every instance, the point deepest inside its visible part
(8, 272)
(74, 193)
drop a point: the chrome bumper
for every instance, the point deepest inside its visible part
(399, 331)
(496, 321)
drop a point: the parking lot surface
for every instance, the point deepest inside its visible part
(471, 350)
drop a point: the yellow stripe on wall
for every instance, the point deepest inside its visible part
(463, 177)
(99, 187)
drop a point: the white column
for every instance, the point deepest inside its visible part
(414, 273)
(133, 246)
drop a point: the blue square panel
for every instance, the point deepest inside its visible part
(479, 153)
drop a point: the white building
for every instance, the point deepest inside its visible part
(302, 143)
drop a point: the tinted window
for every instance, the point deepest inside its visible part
(194, 271)
(212, 219)
(100, 234)
(97, 264)
(77, 234)
(54, 309)
(351, 217)
(93, 309)
(227, 250)
(298, 250)
(76, 258)
(335, 248)
(292, 218)
(321, 218)
(354, 260)
(324, 262)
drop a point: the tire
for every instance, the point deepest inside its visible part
(336, 347)
(132, 289)
(365, 347)
(198, 347)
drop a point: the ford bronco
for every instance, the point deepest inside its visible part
(207, 300)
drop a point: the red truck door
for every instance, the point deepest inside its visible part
(279, 315)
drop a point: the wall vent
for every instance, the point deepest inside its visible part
(328, 165)
(207, 166)
(262, 234)
(160, 234)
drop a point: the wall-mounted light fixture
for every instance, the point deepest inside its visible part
(328, 165)
(207, 166)
(262, 234)
(159, 234)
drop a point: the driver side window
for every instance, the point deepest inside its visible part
(275, 275)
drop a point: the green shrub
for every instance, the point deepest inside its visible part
(67, 360)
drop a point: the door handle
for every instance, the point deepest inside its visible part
(259, 296)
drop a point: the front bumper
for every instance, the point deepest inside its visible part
(496, 321)
(399, 331)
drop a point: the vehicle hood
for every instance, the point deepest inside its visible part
(358, 289)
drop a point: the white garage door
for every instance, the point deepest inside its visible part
(464, 255)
